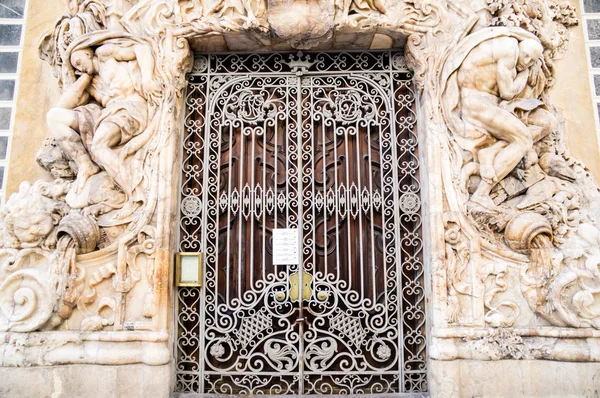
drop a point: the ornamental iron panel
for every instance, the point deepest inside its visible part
(324, 143)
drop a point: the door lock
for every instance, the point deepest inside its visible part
(294, 288)
(306, 288)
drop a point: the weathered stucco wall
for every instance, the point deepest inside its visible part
(514, 379)
(573, 95)
(38, 91)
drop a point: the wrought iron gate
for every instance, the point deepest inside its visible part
(323, 143)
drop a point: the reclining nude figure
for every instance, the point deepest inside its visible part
(495, 98)
(118, 78)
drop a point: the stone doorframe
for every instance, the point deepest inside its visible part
(515, 278)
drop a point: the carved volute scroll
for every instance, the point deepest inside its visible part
(517, 247)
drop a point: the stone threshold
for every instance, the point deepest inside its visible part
(394, 395)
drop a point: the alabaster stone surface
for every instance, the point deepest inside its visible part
(498, 208)
(37, 92)
(513, 379)
(81, 247)
(572, 94)
(136, 381)
(511, 216)
(36, 81)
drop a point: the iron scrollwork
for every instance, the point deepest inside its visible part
(322, 142)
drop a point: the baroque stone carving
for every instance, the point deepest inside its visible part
(516, 244)
(521, 233)
(83, 251)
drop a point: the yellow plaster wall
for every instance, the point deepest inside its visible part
(38, 91)
(572, 93)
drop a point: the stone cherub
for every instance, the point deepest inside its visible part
(493, 104)
(117, 75)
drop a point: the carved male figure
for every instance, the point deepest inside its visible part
(495, 97)
(120, 79)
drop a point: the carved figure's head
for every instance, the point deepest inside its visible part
(529, 51)
(29, 217)
(33, 228)
(83, 60)
(51, 157)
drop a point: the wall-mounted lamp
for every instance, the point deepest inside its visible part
(188, 269)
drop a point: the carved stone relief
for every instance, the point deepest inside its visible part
(514, 256)
(521, 232)
(87, 251)
(521, 190)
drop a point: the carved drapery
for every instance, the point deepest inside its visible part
(513, 244)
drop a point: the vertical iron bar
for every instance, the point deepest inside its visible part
(372, 223)
(336, 200)
(313, 145)
(202, 336)
(229, 207)
(241, 258)
(324, 167)
(359, 210)
(252, 209)
(397, 220)
(348, 210)
(264, 200)
(300, 231)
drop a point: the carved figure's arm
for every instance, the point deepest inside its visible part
(145, 61)
(510, 83)
(76, 94)
(521, 81)
(140, 53)
(118, 53)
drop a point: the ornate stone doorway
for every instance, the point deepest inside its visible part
(324, 146)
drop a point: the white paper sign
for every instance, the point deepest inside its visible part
(286, 245)
(189, 269)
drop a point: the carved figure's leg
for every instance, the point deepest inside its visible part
(486, 161)
(106, 137)
(541, 123)
(504, 126)
(64, 124)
